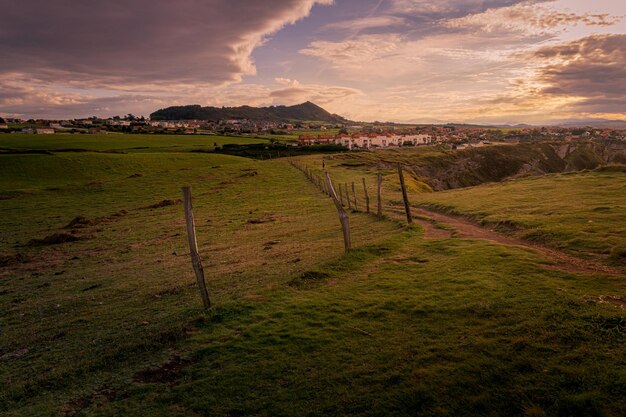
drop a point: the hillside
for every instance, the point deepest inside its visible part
(304, 112)
(443, 169)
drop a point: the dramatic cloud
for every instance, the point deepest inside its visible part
(583, 78)
(401, 60)
(592, 68)
(102, 43)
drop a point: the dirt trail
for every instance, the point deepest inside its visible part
(432, 231)
(464, 228)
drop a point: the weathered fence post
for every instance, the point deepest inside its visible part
(345, 187)
(367, 196)
(341, 195)
(356, 206)
(379, 211)
(405, 197)
(343, 217)
(193, 248)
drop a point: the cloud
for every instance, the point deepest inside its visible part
(396, 58)
(527, 18)
(323, 95)
(21, 97)
(116, 42)
(581, 78)
(444, 45)
(357, 51)
(449, 7)
(368, 23)
(591, 68)
(28, 102)
(72, 58)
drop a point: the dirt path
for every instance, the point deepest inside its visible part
(432, 231)
(466, 229)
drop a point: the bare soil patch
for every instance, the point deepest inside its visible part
(164, 203)
(268, 218)
(308, 279)
(55, 239)
(12, 259)
(81, 221)
(431, 231)
(248, 173)
(166, 373)
(102, 395)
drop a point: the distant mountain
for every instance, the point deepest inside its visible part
(572, 123)
(301, 112)
(597, 123)
(517, 126)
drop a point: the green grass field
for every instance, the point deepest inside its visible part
(580, 213)
(120, 142)
(110, 324)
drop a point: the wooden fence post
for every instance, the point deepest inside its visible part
(356, 206)
(343, 217)
(340, 195)
(193, 248)
(405, 197)
(379, 211)
(367, 196)
(345, 187)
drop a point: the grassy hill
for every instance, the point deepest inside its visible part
(110, 324)
(443, 169)
(301, 112)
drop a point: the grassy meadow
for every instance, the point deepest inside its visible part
(109, 322)
(580, 213)
(117, 142)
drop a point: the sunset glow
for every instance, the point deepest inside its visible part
(480, 61)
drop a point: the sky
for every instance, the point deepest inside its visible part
(413, 61)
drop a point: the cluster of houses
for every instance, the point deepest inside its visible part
(38, 130)
(353, 137)
(366, 140)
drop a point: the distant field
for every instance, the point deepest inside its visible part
(293, 135)
(109, 324)
(120, 142)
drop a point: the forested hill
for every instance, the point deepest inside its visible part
(305, 111)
